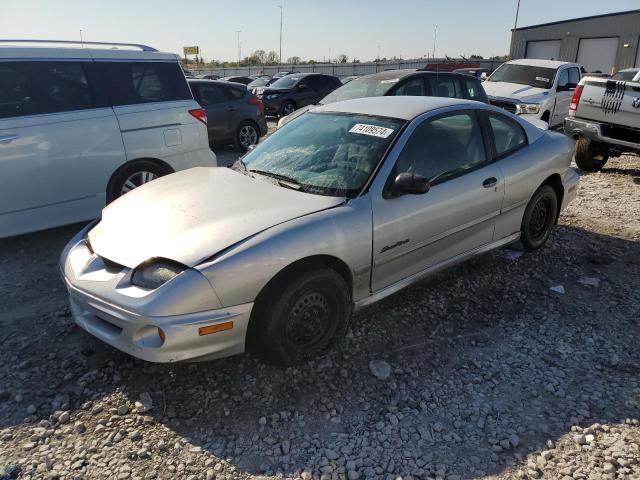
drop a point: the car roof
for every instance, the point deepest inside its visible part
(636, 69)
(405, 108)
(541, 63)
(224, 83)
(131, 52)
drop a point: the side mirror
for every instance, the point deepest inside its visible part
(411, 184)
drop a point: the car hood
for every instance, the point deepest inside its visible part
(191, 215)
(513, 90)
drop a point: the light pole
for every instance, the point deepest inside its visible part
(280, 56)
(515, 25)
(435, 36)
(238, 33)
(81, 40)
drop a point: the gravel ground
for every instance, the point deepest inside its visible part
(482, 372)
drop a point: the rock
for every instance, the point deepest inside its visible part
(589, 438)
(558, 289)
(123, 410)
(144, 403)
(353, 475)
(380, 369)
(31, 409)
(64, 417)
(210, 475)
(608, 468)
(514, 440)
(79, 427)
(331, 454)
(589, 281)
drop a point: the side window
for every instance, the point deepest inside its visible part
(445, 87)
(574, 76)
(313, 82)
(473, 90)
(235, 93)
(213, 94)
(508, 135)
(412, 87)
(563, 79)
(445, 147)
(130, 83)
(32, 88)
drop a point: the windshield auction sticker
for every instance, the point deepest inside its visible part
(373, 130)
(542, 79)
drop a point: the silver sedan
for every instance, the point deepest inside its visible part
(340, 208)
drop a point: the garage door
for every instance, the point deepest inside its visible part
(598, 53)
(544, 50)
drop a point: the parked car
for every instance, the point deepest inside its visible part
(209, 77)
(604, 119)
(234, 114)
(345, 80)
(479, 73)
(258, 85)
(538, 89)
(402, 83)
(283, 74)
(242, 80)
(628, 75)
(188, 73)
(342, 207)
(81, 126)
(294, 91)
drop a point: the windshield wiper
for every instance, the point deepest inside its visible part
(278, 176)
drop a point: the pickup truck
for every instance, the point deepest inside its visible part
(604, 118)
(535, 89)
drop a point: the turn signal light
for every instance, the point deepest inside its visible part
(218, 327)
(577, 93)
(200, 114)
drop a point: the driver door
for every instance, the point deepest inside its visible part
(414, 232)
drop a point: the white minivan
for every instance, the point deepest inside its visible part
(81, 125)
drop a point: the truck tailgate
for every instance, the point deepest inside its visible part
(610, 101)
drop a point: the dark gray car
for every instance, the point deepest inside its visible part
(234, 114)
(297, 90)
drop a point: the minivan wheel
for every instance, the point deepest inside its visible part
(539, 217)
(591, 156)
(132, 176)
(308, 315)
(288, 108)
(246, 136)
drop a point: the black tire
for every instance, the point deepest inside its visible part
(591, 156)
(247, 134)
(287, 108)
(134, 173)
(303, 318)
(539, 218)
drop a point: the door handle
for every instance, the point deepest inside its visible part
(8, 138)
(490, 182)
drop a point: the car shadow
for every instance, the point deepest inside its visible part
(479, 353)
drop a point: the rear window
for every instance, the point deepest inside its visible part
(130, 83)
(33, 88)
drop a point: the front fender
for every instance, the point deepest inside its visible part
(344, 232)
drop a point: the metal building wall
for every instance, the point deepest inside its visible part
(625, 26)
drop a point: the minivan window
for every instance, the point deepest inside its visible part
(130, 83)
(33, 88)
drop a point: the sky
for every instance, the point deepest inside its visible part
(315, 29)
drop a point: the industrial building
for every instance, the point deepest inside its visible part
(604, 43)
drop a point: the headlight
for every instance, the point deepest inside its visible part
(272, 96)
(155, 273)
(523, 108)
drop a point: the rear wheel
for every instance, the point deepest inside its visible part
(539, 217)
(591, 156)
(309, 313)
(132, 176)
(246, 135)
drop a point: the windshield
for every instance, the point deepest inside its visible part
(539, 77)
(286, 82)
(626, 75)
(360, 88)
(259, 82)
(325, 153)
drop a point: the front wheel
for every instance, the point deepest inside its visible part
(539, 217)
(288, 108)
(591, 156)
(306, 317)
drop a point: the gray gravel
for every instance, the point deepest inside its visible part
(482, 372)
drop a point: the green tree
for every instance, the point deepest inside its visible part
(294, 60)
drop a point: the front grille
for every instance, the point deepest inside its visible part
(625, 134)
(508, 106)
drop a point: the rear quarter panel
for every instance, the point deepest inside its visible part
(525, 171)
(610, 101)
